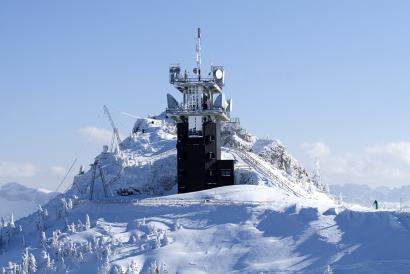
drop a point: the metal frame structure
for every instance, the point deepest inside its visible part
(199, 117)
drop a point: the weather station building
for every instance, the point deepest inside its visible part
(199, 117)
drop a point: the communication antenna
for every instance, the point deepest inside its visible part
(198, 53)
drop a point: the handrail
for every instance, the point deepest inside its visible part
(268, 173)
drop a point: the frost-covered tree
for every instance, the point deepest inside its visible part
(70, 203)
(41, 218)
(156, 243)
(22, 238)
(61, 265)
(32, 264)
(54, 241)
(317, 178)
(25, 261)
(80, 257)
(328, 270)
(133, 268)
(156, 268)
(47, 265)
(104, 268)
(12, 268)
(12, 224)
(166, 240)
(117, 269)
(87, 222)
(80, 225)
(43, 239)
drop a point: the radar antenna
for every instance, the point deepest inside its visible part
(116, 136)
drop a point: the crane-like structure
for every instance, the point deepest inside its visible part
(116, 140)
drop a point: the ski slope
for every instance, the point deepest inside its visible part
(235, 229)
(277, 218)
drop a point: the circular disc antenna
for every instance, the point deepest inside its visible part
(218, 74)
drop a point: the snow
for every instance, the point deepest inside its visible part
(276, 218)
(235, 229)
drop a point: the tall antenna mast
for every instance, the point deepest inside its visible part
(198, 53)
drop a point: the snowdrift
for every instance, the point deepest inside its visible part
(277, 218)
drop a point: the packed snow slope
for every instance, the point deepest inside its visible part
(20, 200)
(235, 229)
(124, 216)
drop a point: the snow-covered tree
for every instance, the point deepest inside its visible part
(43, 239)
(61, 265)
(133, 268)
(156, 243)
(22, 238)
(156, 268)
(54, 240)
(166, 240)
(87, 222)
(70, 203)
(117, 269)
(47, 265)
(317, 178)
(12, 224)
(25, 261)
(80, 257)
(12, 268)
(328, 270)
(32, 264)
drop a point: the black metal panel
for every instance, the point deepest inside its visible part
(198, 160)
(225, 172)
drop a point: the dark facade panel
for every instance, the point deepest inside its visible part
(199, 164)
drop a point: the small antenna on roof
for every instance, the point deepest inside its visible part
(198, 53)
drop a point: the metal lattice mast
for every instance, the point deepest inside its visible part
(198, 53)
(116, 135)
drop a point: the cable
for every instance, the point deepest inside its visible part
(66, 175)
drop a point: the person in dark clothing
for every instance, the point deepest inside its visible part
(376, 204)
(205, 102)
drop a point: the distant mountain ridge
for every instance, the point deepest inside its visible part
(363, 194)
(21, 200)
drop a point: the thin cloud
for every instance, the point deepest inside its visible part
(316, 150)
(17, 170)
(58, 170)
(95, 134)
(386, 164)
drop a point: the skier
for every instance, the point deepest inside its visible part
(376, 204)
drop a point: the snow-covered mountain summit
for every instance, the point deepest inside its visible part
(123, 213)
(146, 163)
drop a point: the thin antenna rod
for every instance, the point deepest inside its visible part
(198, 53)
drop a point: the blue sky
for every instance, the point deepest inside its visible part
(330, 79)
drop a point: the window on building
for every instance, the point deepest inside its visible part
(225, 172)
